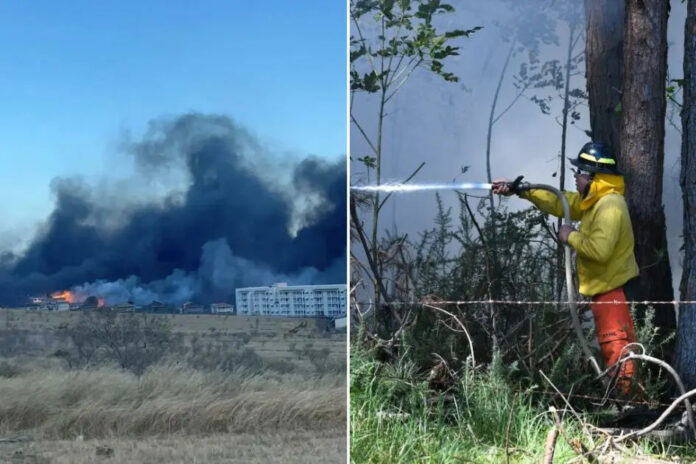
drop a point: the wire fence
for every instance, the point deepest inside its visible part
(598, 399)
(532, 302)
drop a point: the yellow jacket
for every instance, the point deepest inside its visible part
(604, 243)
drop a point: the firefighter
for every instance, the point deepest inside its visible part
(603, 245)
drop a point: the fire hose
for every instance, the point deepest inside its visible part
(517, 186)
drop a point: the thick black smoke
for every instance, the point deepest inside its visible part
(230, 226)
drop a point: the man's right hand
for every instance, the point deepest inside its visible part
(502, 187)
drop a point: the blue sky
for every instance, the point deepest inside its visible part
(75, 75)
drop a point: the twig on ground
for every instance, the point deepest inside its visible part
(660, 419)
(576, 445)
(550, 446)
(570, 407)
(670, 370)
(507, 430)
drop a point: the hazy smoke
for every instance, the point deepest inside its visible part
(445, 125)
(233, 216)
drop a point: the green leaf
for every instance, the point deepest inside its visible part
(386, 8)
(361, 7)
(370, 82)
(368, 161)
(357, 53)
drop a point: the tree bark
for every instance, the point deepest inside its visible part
(604, 72)
(686, 337)
(642, 148)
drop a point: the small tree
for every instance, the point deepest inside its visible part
(390, 40)
(530, 28)
(133, 341)
(553, 81)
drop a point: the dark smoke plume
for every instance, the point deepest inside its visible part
(230, 225)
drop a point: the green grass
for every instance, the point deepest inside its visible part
(395, 417)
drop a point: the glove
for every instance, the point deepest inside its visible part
(564, 233)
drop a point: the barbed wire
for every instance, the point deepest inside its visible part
(570, 395)
(523, 302)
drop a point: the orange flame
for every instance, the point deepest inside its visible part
(64, 295)
(101, 302)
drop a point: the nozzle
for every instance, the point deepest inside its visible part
(517, 186)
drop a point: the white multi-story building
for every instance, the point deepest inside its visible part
(296, 301)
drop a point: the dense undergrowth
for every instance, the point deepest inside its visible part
(484, 417)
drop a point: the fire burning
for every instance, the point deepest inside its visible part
(65, 295)
(71, 297)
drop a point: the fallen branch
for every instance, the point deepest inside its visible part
(570, 407)
(672, 372)
(576, 445)
(660, 419)
(507, 430)
(550, 447)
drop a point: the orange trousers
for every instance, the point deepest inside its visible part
(615, 330)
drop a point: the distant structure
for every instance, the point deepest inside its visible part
(60, 306)
(48, 304)
(157, 307)
(192, 308)
(296, 301)
(340, 323)
(221, 308)
(127, 307)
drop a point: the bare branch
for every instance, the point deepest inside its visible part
(367, 139)
(456, 319)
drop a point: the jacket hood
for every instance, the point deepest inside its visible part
(601, 186)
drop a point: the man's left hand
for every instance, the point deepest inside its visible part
(564, 232)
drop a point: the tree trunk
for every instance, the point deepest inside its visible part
(642, 149)
(604, 61)
(686, 339)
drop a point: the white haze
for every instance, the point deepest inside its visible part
(445, 124)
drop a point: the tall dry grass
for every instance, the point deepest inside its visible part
(52, 402)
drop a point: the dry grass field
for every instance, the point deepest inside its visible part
(177, 410)
(286, 447)
(282, 339)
